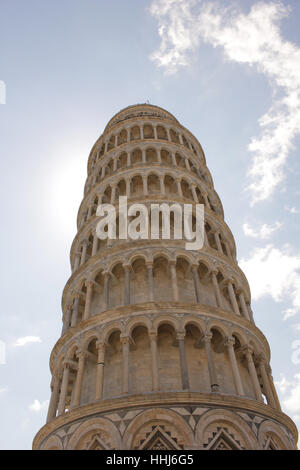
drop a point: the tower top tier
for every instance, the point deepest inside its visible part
(140, 110)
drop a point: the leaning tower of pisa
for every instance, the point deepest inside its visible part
(159, 348)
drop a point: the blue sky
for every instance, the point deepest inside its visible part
(229, 71)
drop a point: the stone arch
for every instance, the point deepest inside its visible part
(272, 437)
(140, 429)
(135, 133)
(52, 443)
(214, 421)
(148, 131)
(140, 320)
(140, 380)
(96, 434)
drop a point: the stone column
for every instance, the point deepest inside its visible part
(79, 376)
(187, 164)
(128, 187)
(143, 155)
(173, 159)
(155, 132)
(113, 194)
(106, 289)
(162, 185)
(142, 132)
(126, 268)
(229, 342)
(54, 399)
(67, 319)
(103, 172)
(150, 281)
(145, 188)
(88, 299)
(233, 298)
(193, 189)
(154, 360)
(211, 366)
(125, 350)
(218, 242)
(196, 282)
(77, 261)
(253, 374)
(243, 305)
(271, 382)
(158, 155)
(228, 252)
(128, 134)
(183, 363)
(217, 289)
(174, 280)
(83, 254)
(179, 187)
(266, 383)
(63, 390)
(100, 369)
(115, 164)
(75, 310)
(95, 244)
(128, 158)
(206, 200)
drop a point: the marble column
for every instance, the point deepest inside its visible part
(75, 310)
(154, 361)
(106, 289)
(174, 280)
(233, 298)
(88, 299)
(67, 319)
(125, 351)
(95, 244)
(100, 369)
(253, 374)
(243, 305)
(81, 355)
(63, 390)
(196, 282)
(210, 362)
(149, 266)
(54, 399)
(266, 383)
(229, 343)
(126, 268)
(183, 363)
(217, 289)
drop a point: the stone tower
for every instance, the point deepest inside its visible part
(159, 349)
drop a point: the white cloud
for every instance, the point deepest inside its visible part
(263, 232)
(3, 389)
(275, 272)
(27, 340)
(38, 406)
(253, 39)
(290, 391)
(292, 210)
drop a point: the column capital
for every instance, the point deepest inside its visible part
(89, 282)
(229, 341)
(152, 335)
(180, 335)
(206, 337)
(195, 267)
(81, 354)
(149, 264)
(100, 345)
(124, 339)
